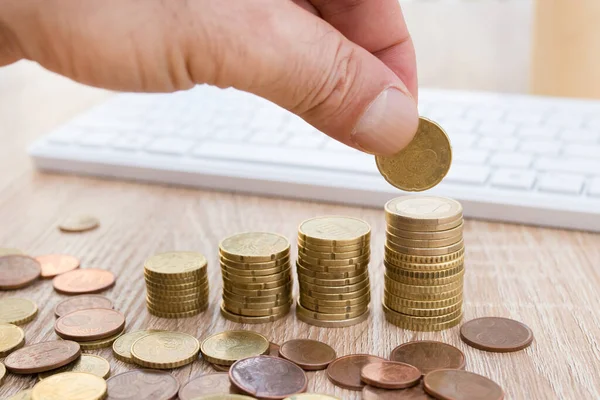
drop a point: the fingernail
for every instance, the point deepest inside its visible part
(388, 125)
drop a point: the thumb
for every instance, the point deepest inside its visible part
(302, 63)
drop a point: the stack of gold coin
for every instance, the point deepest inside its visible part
(424, 263)
(257, 283)
(332, 265)
(177, 284)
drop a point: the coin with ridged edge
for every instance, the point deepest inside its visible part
(41, 357)
(18, 271)
(429, 355)
(333, 324)
(421, 326)
(206, 384)
(418, 210)
(455, 384)
(390, 375)
(227, 347)
(89, 325)
(22, 395)
(224, 397)
(391, 299)
(254, 312)
(395, 256)
(101, 343)
(241, 319)
(79, 223)
(430, 252)
(70, 386)
(426, 312)
(254, 247)
(11, 338)
(81, 302)
(9, 251)
(17, 311)
(310, 288)
(141, 384)
(421, 320)
(311, 396)
(305, 299)
(457, 231)
(259, 267)
(393, 264)
(345, 371)
(2, 372)
(122, 346)
(308, 354)
(334, 231)
(165, 350)
(391, 280)
(90, 363)
(327, 316)
(175, 264)
(356, 310)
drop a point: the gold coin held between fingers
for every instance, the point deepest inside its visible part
(11, 338)
(70, 386)
(90, 363)
(423, 163)
(165, 350)
(227, 347)
(18, 311)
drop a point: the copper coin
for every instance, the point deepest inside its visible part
(273, 349)
(56, 264)
(82, 281)
(206, 384)
(308, 354)
(89, 325)
(268, 377)
(17, 271)
(499, 335)
(413, 393)
(345, 371)
(83, 302)
(41, 357)
(453, 384)
(390, 375)
(429, 355)
(142, 384)
(221, 368)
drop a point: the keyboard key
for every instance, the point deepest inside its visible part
(595, 187)
(516, 160)
(462, 139)
(582, 150)
(268, 137)
(513, 179)
(227, 135)
(130, 142)
(564, 120)
(580, 136)
(96, 139)
(498, 143)
(497, 129)
(470, 156)
(485, 114)
(458, 125)
(525, 117)
(170, 146)
(544, 147)
(561, 183)
(439, 112)
(568, 165)
(537, 132)
(467, 174)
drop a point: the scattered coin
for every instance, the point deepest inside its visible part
(89, 325)
(82, 302)
(429, 355)
(311, 396)
(70, 386)
(268, 377)
(142, 384)
(414, 393)
(227, 347)
(221, 368)
(165, 350)
(17, 311)
(82, 281)
(18, 271)
(100, 343)
(11, 338)
(273, 349)
(2, 372)
(22, 395)
(122, 346)
(90, 363)
(205, 384)
(495, 334)
(56, 264)
(224, 397)
(345, 371)
(452, 384)
(308, 354)
(79, 223)
(390, 375)
(42, 357)
(7, 251)
(423, 163)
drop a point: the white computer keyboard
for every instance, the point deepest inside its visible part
(516, 158)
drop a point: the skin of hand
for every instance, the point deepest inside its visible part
(345, 66)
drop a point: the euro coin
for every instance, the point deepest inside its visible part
(391, 299)
(333, 282)
(335, 255)
(284, 260)
(328, 316)
(165, 350)
(419, 243)
(175, 315)
(11, 338)
(79, 223)
(333, 324)
(425, 312)
(255, 272)
(284, 274)
(122, 346)
(175, 264)
(242, 319)
(394, 271)
(257, 312)
(314, 302)
(305, 272)
(421, 320)
(420, 211)
(424, 267)
(284, 296)
(355, 309)
(254, 247)
(315, 259)
(17, 311)
(227, 347)
(310, 288)
(418, 251)
(257, 285)
(395, 257)
(334, 231)
(260, 306)
(331, 248)
(457, 231)
(100, 343)
(260, 292)
(392, 279)
(70, 385)
(338, 296)
(90, 363)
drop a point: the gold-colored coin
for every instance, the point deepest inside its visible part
(394, 301)
(323, 265)
(396, 257)
(254, 247)
(431, 235)
(314, 302)
(338, 296)
(421, 320)
(79, 223)
(305, 272)
(391, 280)
(194, 305)
(259, 292)
(122, 346)
(425, 267)
(423, 163)
(101, 343)
(175, 298)
(2, 372)
(17, 311)
(260, 306)
(401, 323)
(240, 298)
(198, 286)
(176, 315)
(327, 317)
(6, 251)
(284, 274)
(334, 231)
(22, 395)
(175, 264)
(311, 396)
(418, 243)
(255, 272)
(165, 350)
(227, 347)
(89, 363)
(334, 324)
(11, 338)
(309, 288)
(162, 293)
(240, 319)
(351, 255)
(394, 272)
(227, 283)
(420, 211)
(257, 312)
(223, 396)
(331, 248)
(70, 386)
(170, 280)
(254, 266)
(425, 293)
(423, 251)
(333, 282)
(425, 312)
(353, 310)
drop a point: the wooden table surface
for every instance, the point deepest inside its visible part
(546, 278)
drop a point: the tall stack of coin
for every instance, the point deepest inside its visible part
(424, 263)
(257, 283)
(332, 264)
(177, 284)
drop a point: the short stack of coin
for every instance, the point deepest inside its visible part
(424, 263)
(177, 284)
(332, 265)
(257, 280)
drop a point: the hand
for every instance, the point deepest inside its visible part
(345, 66)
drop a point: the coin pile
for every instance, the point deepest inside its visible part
(332, 265)
(177, 284)
(257, 283)
(424, 263)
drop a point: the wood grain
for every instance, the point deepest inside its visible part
(545, 278)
